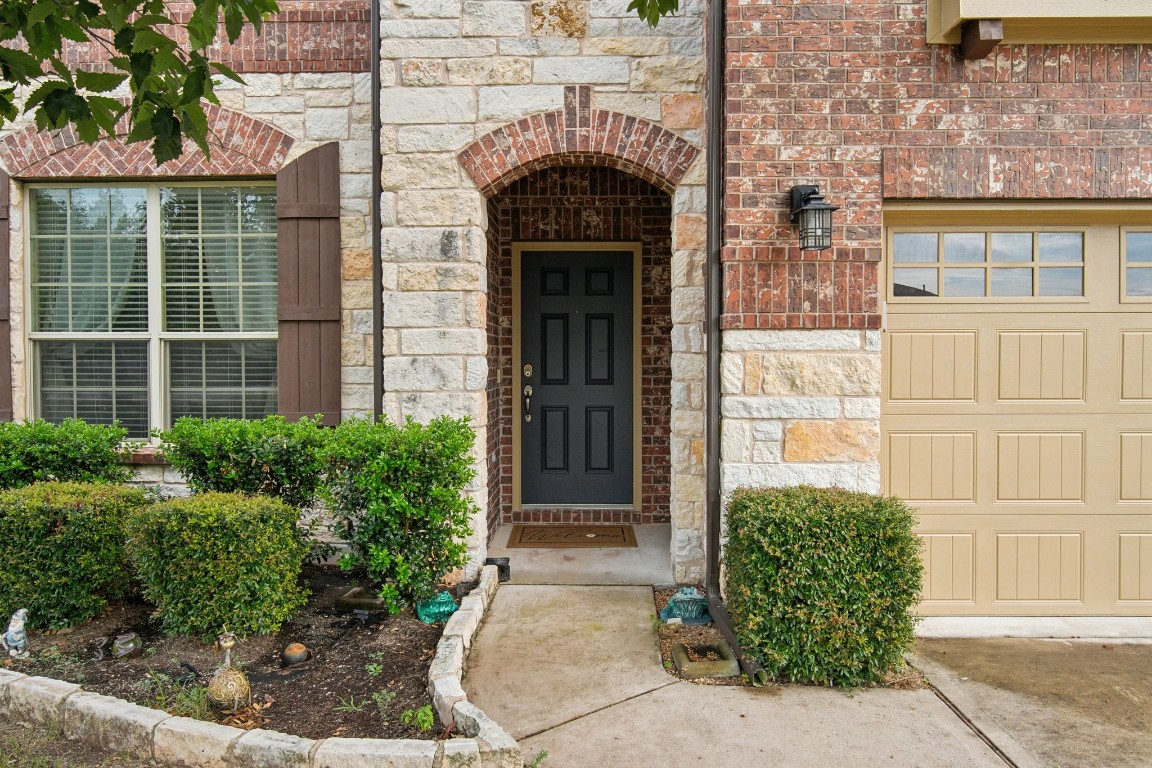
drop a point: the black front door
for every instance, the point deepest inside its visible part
(576, 377)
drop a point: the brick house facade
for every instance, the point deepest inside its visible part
(510, 125)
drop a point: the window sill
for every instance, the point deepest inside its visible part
(149, 455)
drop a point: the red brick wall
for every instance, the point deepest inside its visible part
(499, 448)
(305, 36)
(567, 204)
(850, 96)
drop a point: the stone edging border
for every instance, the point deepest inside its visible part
(119, 726)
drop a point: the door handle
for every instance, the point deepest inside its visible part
(527, 402)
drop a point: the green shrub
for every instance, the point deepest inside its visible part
(269, 457)
(821, 583)
(62, 545)
(217, 560)
(73, 450)
(396, 494)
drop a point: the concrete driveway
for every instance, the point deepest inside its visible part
(1050, 702)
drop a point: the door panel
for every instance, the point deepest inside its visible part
(576, 328)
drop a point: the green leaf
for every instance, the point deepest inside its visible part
(124, 39)
(88, 131)
(150, 40)
(41, 93)
(41, 11)
(100, 82)
(227, 72)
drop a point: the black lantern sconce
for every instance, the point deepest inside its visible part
(814, 217)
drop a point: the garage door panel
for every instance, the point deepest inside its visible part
(1039, 365)
(949, 566)
(1136, 466)
(932, 366)
(1136, 365)
(1040, 466)
(1038, 567)
(1135, 567)
(931, 466)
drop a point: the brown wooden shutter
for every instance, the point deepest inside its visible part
(308, 241)
(5, 320)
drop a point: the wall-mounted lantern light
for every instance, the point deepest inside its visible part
(814, 217)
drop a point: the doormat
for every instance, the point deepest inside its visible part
(572, 536)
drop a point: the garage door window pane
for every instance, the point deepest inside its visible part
(963, 246)
(1012, 246)
(1060, 246)
(1138, 247)
(1061, 281)
(915, 282)
(914, 247)
(963, 282)
(1011, 282)
(1138, 282)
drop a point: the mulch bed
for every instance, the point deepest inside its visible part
(360, 681)
(691, 637)
(905, 678)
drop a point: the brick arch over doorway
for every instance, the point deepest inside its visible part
(582, 203)
(577, 135)
(241, 146)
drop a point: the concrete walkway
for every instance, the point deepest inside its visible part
(575, 670)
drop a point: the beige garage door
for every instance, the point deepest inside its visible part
(1017, 414)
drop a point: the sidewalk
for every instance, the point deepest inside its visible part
(575, 670)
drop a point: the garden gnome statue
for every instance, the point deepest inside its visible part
(15, 640)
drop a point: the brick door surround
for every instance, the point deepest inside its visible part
(577, 135)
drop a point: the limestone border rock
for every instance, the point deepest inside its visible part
(110, 723)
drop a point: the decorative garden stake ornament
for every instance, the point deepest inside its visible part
(229, 686)
(15, 640)
(437, 609)
(688, 605)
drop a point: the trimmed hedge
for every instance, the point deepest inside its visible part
(217, 560)
(73, 450)
(821, 583)
(269, 457)
(397, 496)
(62, 545)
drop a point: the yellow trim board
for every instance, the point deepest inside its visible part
(1045, 21)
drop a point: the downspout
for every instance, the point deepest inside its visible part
(713, 307)
(374, 225)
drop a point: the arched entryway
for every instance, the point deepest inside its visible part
(582, 181)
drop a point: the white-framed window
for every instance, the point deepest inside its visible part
(972, 263)
(147, 302)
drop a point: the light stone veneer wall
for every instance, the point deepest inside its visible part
(454, 70)
(800, 407)
(314, 109)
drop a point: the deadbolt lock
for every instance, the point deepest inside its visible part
(528, 371)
